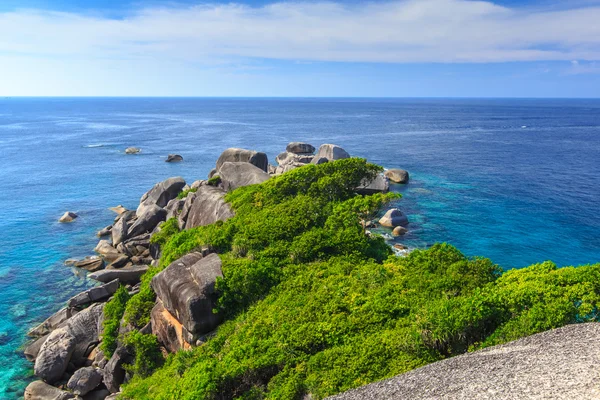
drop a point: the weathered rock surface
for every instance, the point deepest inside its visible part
(557, 364)
(38, 390)
(330, 152)
(68, 217)
(52, 322)
(132, 150)
(146, 222)
(119, 262)
(300, 148)
(118, 209)
(160, 194)
(167, 329)
(185, 210)
(378, 185)
(174, 158)
(125, 275)
(106, 250)
(54, 355)
(393, 218)
(114, 374)
(94, 294)
(104, 231)
(90, 263)
(119, 231)
(85, 328)
(208, 207)
(84, 380)
(255, 158)
(397, 175)
(33, 349)
(174, 208)
(186, 289)
(237, 174)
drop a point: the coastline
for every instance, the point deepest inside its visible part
(125, 252)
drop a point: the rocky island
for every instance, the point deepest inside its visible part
(267, 281)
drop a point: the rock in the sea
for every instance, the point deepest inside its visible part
(127, 275)
(399, 231)
(132, 150)
(90, 263)
(54, 355)
(393, 218)
(208, 207)
(160, 194)
(104, 231)
(94, 294)
(146, 222)
(167, 329)
(118, 209)
(256, 158)
(68, 216)
(378, 185)
(84, 380)
(186, 288)
(300, 148)
(237, 174)
(397, 175)
(330, 152)
(119, 231)
(38, 390)
(53, 322)
(114, 374)
(174, 158)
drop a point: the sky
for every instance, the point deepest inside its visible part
(334, 48)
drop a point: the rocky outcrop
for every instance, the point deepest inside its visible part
(119, 231)
(132, 150)
(90, 263)
(146, 222)
(557, 364)
(393, 218)
(84, 327)
(84, 380)
(208, 207)
(38, 390)
(167, 329)
(330, 152)
(114, 374)
(53, 322)
(174, 158)
(127, 275)
(186, 289)
(256, 158)
(300, 148)
(94, 294)
(378, 185)
(397, 175)
(174, 208)
(104, 231)
(160, 194)
(33, 349)
(106, 250)
(69, 216)
(237, 174)
(54, 355)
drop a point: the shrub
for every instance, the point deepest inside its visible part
(113, 312)
(146, 352)
(183, 194)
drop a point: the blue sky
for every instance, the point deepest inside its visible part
(398, 48)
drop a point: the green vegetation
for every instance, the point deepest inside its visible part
(113, 312)
(314, 305)
(214, 181)
(147, 355)
(185, 193)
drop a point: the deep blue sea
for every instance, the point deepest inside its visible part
(517, 181)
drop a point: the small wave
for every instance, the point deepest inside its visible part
(95, 145)
(524, 126)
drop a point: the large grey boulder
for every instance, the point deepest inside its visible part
(393, 218)
(54, 355)
(90, 263)
(114, 374)
(379, 184)
(256, 158)
(85, 328)
(161, 194)
(557, 364)
(397, 175)
(300, 148)
(330, 152)
(106, 250)
(127, 275)
(146, 222)
(53, 322)
(68, 216)
(84, 380)
(237, 174)
(119, 231)
(187, 290)
(208, 207)
(38, 390)
(94, 294)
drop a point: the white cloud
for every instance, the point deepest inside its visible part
(398, 31)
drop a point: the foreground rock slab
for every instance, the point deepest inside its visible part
(129, 275)
(558, 364)
(39, 390)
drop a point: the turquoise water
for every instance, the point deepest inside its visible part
(513, 180)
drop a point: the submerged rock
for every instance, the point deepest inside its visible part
(256, 158)
(397, 175)
(399, 231)
(68, 216)
(174, 158)
(237, 174)
(393, 218)
(38, 390)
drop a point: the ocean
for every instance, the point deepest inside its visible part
(517, 181)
